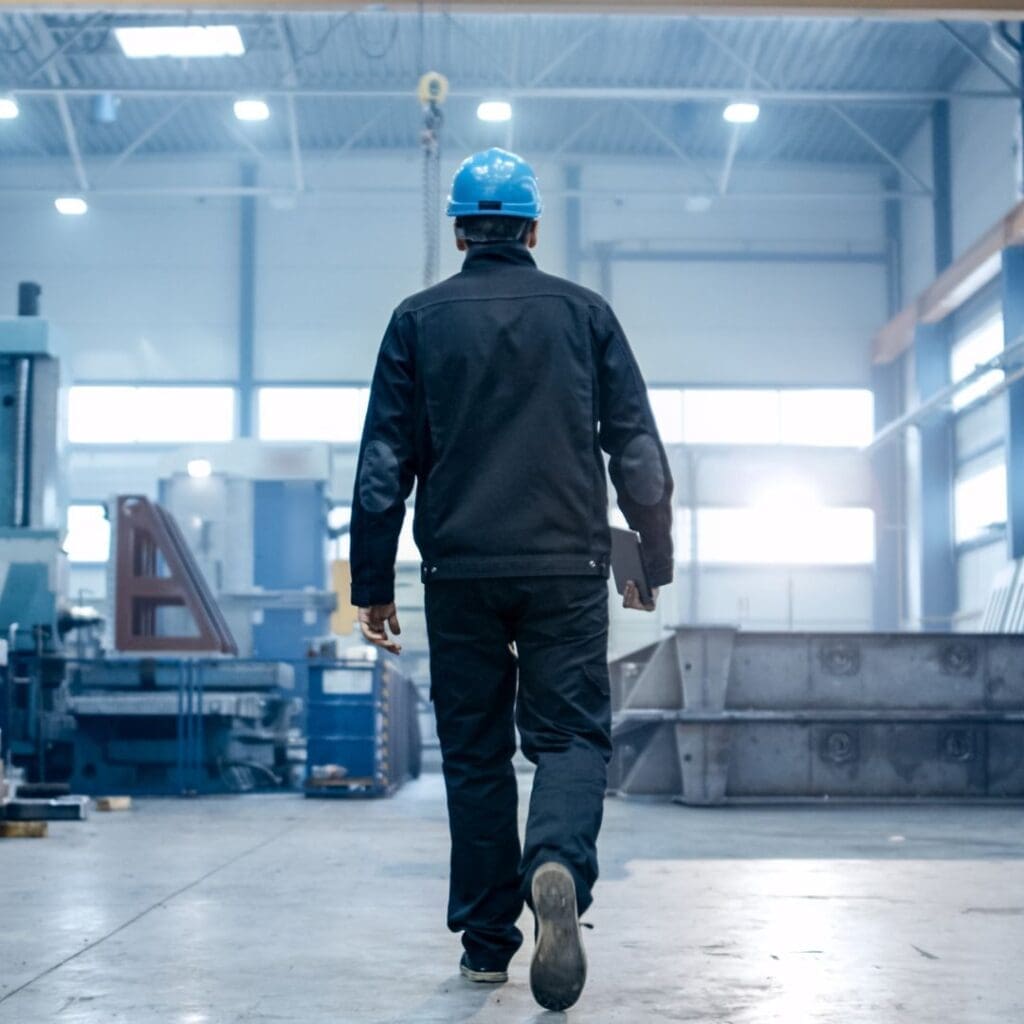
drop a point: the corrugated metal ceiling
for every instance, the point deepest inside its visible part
(490, 54)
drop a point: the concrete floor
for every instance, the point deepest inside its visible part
(252, 910)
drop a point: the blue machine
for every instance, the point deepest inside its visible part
(363, 729)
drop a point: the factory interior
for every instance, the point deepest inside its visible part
(218, 803)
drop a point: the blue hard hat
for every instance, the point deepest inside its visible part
(494, 183)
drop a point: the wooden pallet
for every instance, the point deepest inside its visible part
(113, 803)
(23, 829)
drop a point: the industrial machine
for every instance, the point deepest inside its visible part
(32, 564)
(171, 711)
(158, 715)
(218, 600)
(715, 715)
(254, 516)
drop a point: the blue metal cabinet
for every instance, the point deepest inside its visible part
(362, 728)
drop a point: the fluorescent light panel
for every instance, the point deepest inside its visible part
(741, 113)
(251, 110)
(71, 206)
(494, 110)
(8, 108)
(180, 41)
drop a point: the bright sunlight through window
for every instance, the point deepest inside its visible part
(980, 503)
(88, 536)
(821, 417)
(312, 414)
(972, 351)
(154, 415)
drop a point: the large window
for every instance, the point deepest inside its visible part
(970, 352)
(786, 536)
(160, 415)
(980, 503)
(312, 414)
(821, 417)
(88, 535)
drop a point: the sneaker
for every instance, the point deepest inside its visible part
(482, 975)
(559, 968)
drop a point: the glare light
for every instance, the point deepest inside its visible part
(790, 498)
(199, 469)
(251, 110)
(180, 41)
(494, 110)
(8, 108)
(71, 206)
(741, 113)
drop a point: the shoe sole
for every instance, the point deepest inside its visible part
(483, 977)
(559, 967)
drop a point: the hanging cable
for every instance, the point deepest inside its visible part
(432, 91)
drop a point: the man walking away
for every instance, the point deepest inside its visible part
(495, 392)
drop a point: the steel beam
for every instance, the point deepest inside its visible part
(942, 186)
(981, 57)
(937, 570)
(965, 9)
(647, 94)
(1013, 327)
(143, 137)
(938, 575)
(573, 223)
(887, 461)
(292, 80)
(764, 82)
(50, 65)
(246, 304)
(235, 191)
(659, 133)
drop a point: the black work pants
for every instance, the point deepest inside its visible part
(555, 688)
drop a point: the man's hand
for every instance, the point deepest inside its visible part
(372, 622)
(631, 598)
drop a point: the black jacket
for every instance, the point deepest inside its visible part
(495, 391)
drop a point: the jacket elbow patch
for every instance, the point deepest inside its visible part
(642, 472)
(379, 483)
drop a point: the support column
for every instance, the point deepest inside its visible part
(246, 303)
(938, 550)
(887, 462)
(942, 199)
(573, 224)
(938, 576)
(1013, 328)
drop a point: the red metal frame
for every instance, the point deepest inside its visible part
(145, 534)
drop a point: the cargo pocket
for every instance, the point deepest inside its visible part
(597, 673)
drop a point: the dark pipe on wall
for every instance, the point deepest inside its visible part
(28, 298)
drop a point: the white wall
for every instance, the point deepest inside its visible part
(140, 288)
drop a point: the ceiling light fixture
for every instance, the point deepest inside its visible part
(149, 41)
(8, 108)
(251, 110)
(71, 206)
(494, 110)
(741, 112)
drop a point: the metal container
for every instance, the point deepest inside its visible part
(363, 729)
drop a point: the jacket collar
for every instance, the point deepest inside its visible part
(480, 256)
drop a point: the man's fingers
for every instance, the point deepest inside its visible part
(374, 636)
(631, 598)
(373, 623)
